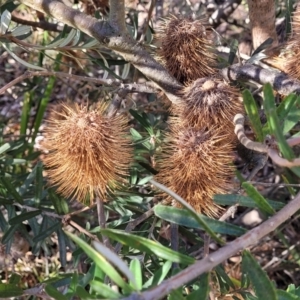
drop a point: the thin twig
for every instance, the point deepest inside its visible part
(41, 24)
(102, 220)
(146, 87)
(82, 230)
(117, 14)
(43, 212)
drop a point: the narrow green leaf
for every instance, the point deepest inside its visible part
(21, 31)
(81, 293)
(3, 222)
(180, 217)
(244, 201)
(285, 106)
(44, 233)
(56, 201)
(190, 210)
(220, 270)
(66, 40)
(44, 101)
(135, 134)
(19, 161)
(100, 261)
(39, 184)
(24, 216)
(253, 114)
(90, 44)
(141, 119)
(136, 269)
(28, 181)
(262, 285)
(114, 259)
(147, 246)
(234, 44)
(264, 45)
(5, 21)
(261, 202)
(159, 275)
(176, 295)
(14, 278)
(11, 190)
(74, 283)
(54, 293)
(62, 247)
(8, 235)
(10, 290)
(104, 290)
(4, 148)
(8, 5)
(202, 292)
(293, 290)
(144, 180)
(21, 61)
(283, 295)
(274, 124)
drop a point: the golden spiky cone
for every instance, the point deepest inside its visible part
(209, 102)
(197, 164)
(87, 151)
(292, 54)
(186, 49)
(287, 57)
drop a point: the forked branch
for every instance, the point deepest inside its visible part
(109, 35)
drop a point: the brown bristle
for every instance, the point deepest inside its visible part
(197, 164)
(87, 151)
(289, 58)
(186, 49)
(209, 102)
(296, 23)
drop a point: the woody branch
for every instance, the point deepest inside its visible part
(113, 35)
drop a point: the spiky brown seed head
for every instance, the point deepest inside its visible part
(186, 49)
(209, 102)
(197, 164)
(288, 58)
(87, 152)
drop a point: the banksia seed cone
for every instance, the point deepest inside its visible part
(286, 58)
(208, 102)
(186, 49)
(292, 55)
(196, 164)
(87, 151)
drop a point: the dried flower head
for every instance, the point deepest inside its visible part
(209, 102)
(197, 164)
(186, 49)
(287, 57)
(87, 152)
